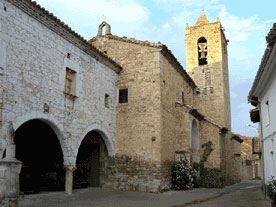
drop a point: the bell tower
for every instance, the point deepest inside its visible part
(207, 64)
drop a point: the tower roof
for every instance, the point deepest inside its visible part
(202, 19)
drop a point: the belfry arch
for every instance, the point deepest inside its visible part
(107, 27)
(202, 51)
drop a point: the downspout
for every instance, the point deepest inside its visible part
(263, 165)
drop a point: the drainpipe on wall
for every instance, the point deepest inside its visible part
(261, 136)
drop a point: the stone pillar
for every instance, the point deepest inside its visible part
(9, 181)
(10, 152)
(69, 179)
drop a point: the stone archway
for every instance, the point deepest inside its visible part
(39, 149)
(195, 142)
(91, 162)
(55, 125)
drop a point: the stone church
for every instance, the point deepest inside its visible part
(112, 111)
(164, 111)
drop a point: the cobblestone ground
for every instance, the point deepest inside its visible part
(244, 194)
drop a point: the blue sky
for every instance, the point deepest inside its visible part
(247, 22)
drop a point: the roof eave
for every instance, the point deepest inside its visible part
(252, 92)
(50, 21)
(271, 40)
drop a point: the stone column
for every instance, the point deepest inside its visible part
(10, 152)
(69, 178)
(9, 181)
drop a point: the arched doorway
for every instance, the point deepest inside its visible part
(195, 143)
(38, 147)
(92, 161)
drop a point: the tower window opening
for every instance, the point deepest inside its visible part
(202, 51)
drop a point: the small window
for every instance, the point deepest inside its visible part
(106, 100)
(267, 113)
(123, 95)
(70, 82)
(182, 97)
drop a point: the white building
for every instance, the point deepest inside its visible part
(263, 96)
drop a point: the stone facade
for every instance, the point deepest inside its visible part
(165, 112)
(36, 51)
(169, 111)
(251, 158)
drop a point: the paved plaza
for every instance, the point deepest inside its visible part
(244, 194)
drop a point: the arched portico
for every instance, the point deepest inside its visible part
(38, 148)
(92, 158)
(53, 123)
(106, 136)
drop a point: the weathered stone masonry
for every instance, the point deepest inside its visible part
(212, 80)
(157, 120)
(36, 51)
(166, 110)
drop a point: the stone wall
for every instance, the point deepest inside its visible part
(155, 123)
(33, 81)
(176, 121)
(137, 174)
(138, 136)
(139, 119)
(211, 101)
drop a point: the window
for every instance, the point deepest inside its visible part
(106, 100)
(182, 97)
(202, 51)
(267, 113)
(70, 82)
(123, 95)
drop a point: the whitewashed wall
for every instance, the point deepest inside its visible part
(33, 61)
(269, 129)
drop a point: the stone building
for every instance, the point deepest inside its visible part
(114, 110)
(163, 110)
(251, 158)
(58, 98)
